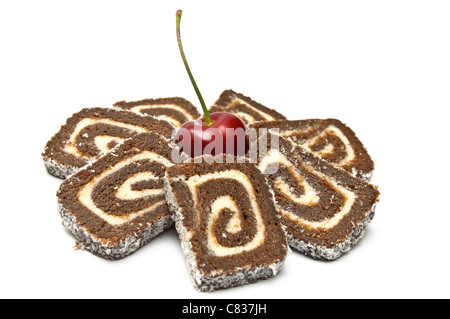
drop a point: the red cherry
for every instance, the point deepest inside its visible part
(227, 134)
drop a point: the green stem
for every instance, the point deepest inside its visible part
(208, 121)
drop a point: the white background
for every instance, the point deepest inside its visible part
(382, 67)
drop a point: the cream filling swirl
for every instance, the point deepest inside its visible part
(310, 196)
(124, 191)
(100, 142)
(329, 148)
(266, 116)
(176, 123)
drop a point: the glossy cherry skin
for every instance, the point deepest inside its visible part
(226, 135)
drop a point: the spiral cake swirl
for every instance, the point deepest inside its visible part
(175, 110)
(225, 216)
(325, 209)
(248, 110)
(117, 203)
(328, 139)
(93, 132)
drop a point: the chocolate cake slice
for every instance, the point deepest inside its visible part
(175, 110)
(226, 219)
(248, 110)
(116, 204)
(330, 139)
(325, 209)
(93, 132)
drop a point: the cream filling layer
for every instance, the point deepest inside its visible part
(71, 148)
(245, 116)
(227, 202)
(102, 141)
(310, 196)
(266, 116)
(234, 225)
(140, 108)
(85, 193)
(329, 148)
(290, 133)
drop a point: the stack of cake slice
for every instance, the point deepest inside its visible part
(236, 220)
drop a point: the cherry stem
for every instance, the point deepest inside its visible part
(208, 121)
